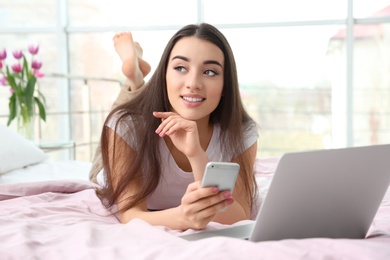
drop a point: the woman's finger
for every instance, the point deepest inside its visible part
(205, 197)
(169, 124)
(165, 122)
(162, 115)
(215, 208)
(199, 214)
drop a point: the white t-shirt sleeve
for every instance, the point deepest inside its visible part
(124, 128)
(251, 134)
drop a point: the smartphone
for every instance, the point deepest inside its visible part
(220, 174)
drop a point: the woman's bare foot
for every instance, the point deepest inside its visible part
(130, 52)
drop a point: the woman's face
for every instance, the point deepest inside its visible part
(195, 78)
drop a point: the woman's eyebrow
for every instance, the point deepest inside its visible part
(213, 62)
(181, 58)
(205, 62)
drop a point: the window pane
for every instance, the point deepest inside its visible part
(286, 85)
(131, 13)
(254, 11)
(372, 8)
(28, 13)
(372, 86)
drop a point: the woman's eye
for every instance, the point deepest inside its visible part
(210, 73)
(180, 68)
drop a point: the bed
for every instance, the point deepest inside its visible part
(49, 210)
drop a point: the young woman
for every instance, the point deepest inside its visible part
(155, 147)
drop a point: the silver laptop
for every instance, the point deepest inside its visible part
(328, 193)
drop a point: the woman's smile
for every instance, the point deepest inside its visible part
(192, 100)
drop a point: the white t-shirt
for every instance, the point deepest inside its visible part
(174, 181)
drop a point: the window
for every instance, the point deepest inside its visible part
(306, 81)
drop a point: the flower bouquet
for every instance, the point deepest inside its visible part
(22, 80)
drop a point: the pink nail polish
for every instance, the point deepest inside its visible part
(227, 194)
(215, 190)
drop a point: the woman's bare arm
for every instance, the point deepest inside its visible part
(198, 207)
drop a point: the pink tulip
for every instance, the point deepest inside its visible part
(3, 81)
(11, 90)
(36, 64)
(17, 54)
(1, 64)
(3, 54)
(38, 74)
(17, 68)
(33, 49)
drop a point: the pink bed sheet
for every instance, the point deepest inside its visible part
(65, 220)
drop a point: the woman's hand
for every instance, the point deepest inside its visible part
(200, 205)
(182, 132)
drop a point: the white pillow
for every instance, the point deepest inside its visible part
(17, 152)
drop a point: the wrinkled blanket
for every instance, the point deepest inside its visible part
(65, 220)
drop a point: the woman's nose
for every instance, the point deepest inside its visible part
(194, 81)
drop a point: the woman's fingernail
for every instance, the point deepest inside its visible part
(230, 201)
(215, 190)
(227, 194)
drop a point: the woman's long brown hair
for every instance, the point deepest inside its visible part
(230, 114)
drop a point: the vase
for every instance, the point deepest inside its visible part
(26, 125)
